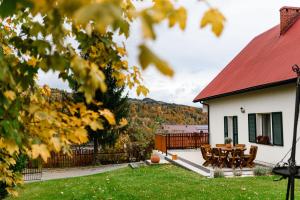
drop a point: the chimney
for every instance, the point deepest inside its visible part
(288, 16)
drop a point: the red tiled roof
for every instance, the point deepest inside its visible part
(266, 60)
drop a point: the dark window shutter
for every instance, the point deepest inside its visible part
(277, 128)
(225, 127)
(252, 127)
(235, 130)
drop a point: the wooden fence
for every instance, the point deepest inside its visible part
(83, 157)
(163, 142)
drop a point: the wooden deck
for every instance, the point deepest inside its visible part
(164, 142)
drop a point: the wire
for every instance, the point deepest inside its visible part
(288, 152)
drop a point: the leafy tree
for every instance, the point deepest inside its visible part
(113, 98)
(31, 124)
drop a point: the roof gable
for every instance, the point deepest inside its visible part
(266, 60)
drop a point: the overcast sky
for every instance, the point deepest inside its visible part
(195, 54)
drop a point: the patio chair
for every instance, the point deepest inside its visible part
(207, 147)
(236, 159)
(249, 158)
(218, 158)
(240, 145)
(206, 156)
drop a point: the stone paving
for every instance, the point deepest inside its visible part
(49, 174)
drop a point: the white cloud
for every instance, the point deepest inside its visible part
(50, 78)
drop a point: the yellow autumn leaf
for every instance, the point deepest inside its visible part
(109, 116)
(10, 146)
(10, 95)
(33, 108)
(32, 61)
(40, 150)
(179, 16)
(12, 191)
(182, 17)
(6, 50)
(79, 136)
(142, 90)
(46, 90)
(130, 85)
(56, 144)
(147, 57)
(96, 125)
(123, 122)
(122, 51)
(11, 161)
(216, 19)
(147, 26)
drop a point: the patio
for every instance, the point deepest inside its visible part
(191, 159)
(187, 148)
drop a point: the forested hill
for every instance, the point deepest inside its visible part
(168, 113)
(150, 111)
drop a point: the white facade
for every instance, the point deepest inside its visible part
(275, 99)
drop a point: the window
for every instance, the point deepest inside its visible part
(231, 128)
(265, 128)
(266, 125)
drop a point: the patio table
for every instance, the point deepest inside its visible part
(228, 150)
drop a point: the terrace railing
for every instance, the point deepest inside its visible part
(163, 142)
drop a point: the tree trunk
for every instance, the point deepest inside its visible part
(95, 150)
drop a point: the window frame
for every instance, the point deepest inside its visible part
(272, 128)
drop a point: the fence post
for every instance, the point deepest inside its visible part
(166, 139)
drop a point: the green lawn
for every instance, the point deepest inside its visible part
(155, 182)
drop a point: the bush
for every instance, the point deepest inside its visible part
(18, 167)
(227, 140)
(237, 172)
(261, 171)
(218, 173)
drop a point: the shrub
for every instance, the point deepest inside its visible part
(261, 171)
(237, 172)
(218, 173)
(227, 140)
(17, 168)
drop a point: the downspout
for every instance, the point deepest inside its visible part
(208, 124)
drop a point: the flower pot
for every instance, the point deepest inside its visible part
(174, 157)
(155, 159)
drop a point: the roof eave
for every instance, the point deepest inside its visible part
(258, 87)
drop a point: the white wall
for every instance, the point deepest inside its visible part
(276, 99)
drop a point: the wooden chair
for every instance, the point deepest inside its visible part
(240, 145)
(206, 156)
(236, 159)
(249, 158)
(218, 158)
(221, 146)
(207, 147)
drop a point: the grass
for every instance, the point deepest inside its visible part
(155, 182)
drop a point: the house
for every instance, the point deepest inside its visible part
(252, 100)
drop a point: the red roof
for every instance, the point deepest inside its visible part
(266, 60)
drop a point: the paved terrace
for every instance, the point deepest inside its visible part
(191, 159)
